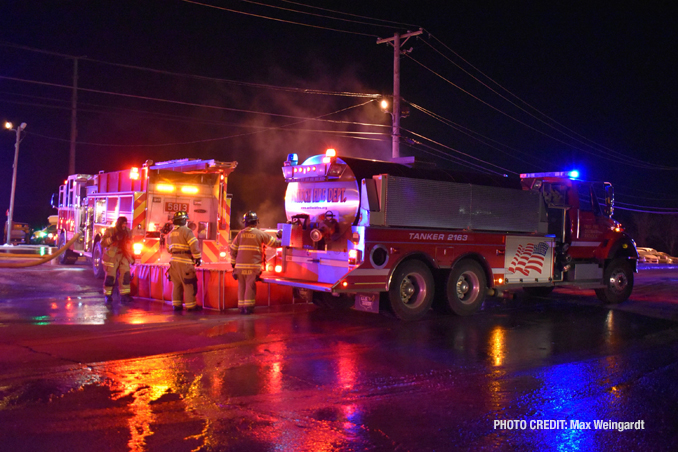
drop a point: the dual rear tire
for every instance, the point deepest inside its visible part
(412, 289)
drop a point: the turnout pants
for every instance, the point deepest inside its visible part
(117, 263)
(247, 287)
(184, 284)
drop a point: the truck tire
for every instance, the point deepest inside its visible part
(68, 257)
(618, 279)
(466, 288)
(538, 291)
(411, 291)
(97, 261)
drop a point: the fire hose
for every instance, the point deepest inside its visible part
(39, 261)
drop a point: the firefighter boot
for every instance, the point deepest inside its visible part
(195, 308)
(126, 298)
(109, 299)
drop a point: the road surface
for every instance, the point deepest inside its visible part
(77, 375)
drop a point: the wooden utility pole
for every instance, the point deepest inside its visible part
(398, 40)
(74, 116)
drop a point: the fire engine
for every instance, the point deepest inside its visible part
(363, 233)
(148, 197)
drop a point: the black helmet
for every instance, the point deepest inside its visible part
(250, 218)
(180, 217)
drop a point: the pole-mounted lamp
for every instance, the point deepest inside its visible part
(18, 130)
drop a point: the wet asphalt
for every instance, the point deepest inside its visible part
(78, 375)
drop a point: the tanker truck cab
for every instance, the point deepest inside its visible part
(374, 235)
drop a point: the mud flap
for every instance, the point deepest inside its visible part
(367, 302)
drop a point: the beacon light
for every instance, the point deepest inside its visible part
(134, 174)
(137, 248)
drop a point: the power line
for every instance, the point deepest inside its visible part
(622, 162)
(200, 77)
(317, 15)
(597, 146)
(278, 20)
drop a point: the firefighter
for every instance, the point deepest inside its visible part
(246, 259)
(117, 258)
(185, 250)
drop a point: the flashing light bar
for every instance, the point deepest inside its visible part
(574, 174)
(189, 189)
(165, 188)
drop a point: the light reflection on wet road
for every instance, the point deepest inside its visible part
(77, 375)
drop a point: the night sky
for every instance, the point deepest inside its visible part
(515, 87)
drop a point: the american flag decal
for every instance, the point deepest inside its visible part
(529, 257)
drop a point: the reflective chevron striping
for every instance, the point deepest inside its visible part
(139, 210)
(210, 251)
(151, 252)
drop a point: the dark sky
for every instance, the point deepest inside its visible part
(518, 87)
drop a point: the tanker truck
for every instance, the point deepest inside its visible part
(408, 237)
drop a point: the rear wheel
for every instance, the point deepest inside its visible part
(618, 279)
(411, 291)
(466, 288)
(97, 261)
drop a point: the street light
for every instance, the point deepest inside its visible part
(8, 125)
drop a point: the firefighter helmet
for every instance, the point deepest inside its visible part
(180, 217)
(250, 218)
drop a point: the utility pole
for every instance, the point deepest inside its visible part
(398, 40)
(10, 215)
(74, 113)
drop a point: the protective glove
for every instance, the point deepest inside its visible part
(235, 276)
(279, 233)
(198, 261)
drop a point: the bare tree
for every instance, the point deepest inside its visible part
(668, 232)
(643, 227)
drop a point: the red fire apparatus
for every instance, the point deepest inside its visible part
(364, 231)
(148, 197)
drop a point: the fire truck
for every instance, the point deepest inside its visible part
(373, 234)
(148, 196)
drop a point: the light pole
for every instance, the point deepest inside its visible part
(8, 125)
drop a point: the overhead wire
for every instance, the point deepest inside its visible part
(437, 74)
(456, 151)
(572, 134)
(261, 16)
(474, 135)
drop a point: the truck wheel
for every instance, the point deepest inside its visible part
(466, 288)
(411, 291)
(538, 291)
(97, 261)
(68, 257)
(618, 278)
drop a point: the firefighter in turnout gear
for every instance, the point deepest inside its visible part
(185, 251)
(117, 258)
(247, 258)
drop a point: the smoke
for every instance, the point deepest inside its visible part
(263, 143)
